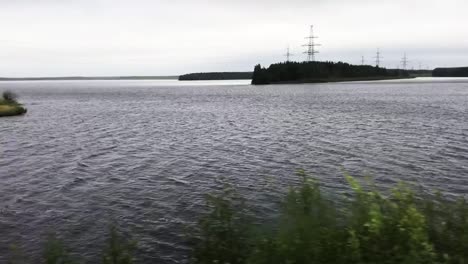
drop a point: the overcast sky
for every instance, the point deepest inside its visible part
(171, 37)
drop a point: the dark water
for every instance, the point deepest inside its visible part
(144, 153)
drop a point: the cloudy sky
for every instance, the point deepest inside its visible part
(171, 37)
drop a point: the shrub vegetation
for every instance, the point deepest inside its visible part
(366, 227)
(9, 105)
(362, 226)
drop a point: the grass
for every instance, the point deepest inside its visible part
(364, 226)
(11, 110)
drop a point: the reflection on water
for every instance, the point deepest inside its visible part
(144, 153)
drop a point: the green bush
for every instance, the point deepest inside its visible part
(365, 227)
(10, 97)
(9, 105)
(362, 226)
(55, 252)
(118, 250)
(224, 231)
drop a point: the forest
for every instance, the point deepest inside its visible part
(306, 72)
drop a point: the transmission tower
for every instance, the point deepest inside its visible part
(288, 55)
(378, 58)
(362, 60)
(311, 45)
(404, 61)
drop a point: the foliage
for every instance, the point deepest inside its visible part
(9, 105)
(223, 232)
(320, 72)
(16, 255)
(260, 75)
(55, 252)
(307, 233)
(364, 227)
(10, 97)
(118, 251)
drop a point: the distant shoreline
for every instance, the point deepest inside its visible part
(336, 80)
(84, 78)
(216, 76)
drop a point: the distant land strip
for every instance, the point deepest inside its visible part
(451, 72)
(206, 76)
(83, 78)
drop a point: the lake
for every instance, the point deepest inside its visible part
(143, 154)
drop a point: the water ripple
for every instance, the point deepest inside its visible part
(144, 154)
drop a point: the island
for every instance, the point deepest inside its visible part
(317, 72)
(450, 72)
(9, 105)
(207, 76)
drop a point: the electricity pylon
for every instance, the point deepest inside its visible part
(311, 46)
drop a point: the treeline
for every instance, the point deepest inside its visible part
(206, 76)
(303, 72)
(450, 72)
(420, 73)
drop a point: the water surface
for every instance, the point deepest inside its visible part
(142, 154)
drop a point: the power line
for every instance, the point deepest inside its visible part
(311, 46)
